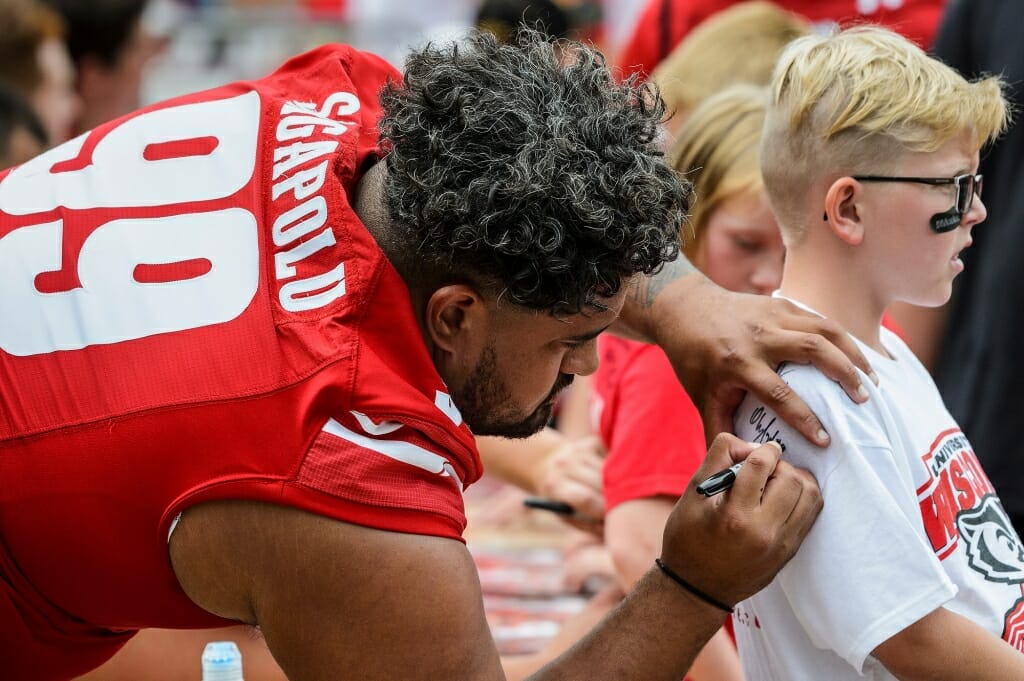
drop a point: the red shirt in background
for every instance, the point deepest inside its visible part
(664, 23)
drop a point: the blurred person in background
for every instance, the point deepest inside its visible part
(731, 235)
(740, 44)
(110, 48)
(22, 135)
(664, 23)
(34, 62)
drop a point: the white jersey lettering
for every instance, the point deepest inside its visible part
(299, 231)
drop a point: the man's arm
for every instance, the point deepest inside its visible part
(633, 534)
(336, 600)
(944, 645)
(722, 344)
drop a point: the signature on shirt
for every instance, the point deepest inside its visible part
(763, 431)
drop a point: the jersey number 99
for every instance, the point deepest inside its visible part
(128, 170)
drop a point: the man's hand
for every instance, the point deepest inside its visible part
(722, 344)
(730, 546)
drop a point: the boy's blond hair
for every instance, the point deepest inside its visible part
(717, 151)
(853, 103)
(737, 45)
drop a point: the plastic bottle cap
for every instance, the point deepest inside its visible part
(222, 661)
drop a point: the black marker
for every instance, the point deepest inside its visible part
(559, 507)
(720, 481)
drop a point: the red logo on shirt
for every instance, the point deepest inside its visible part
(958, 505)
(1013, 629)
(957, 484)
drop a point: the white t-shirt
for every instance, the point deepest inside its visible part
(910, 523)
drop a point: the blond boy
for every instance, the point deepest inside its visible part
(870, 155)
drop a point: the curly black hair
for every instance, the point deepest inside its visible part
(527, 170)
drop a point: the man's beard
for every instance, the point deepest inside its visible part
(484, 399)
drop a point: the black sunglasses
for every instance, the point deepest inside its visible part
(966, 187)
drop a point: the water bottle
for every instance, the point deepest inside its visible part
(222, 661)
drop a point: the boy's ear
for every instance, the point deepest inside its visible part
(842, 210)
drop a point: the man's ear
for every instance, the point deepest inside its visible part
(842, 210)
(457, 318)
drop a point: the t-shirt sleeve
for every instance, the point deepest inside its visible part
(865, 571)
(656, 438)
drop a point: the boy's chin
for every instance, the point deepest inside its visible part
(933, 299)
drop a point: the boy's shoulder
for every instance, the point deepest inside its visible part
(847, 422)
(821, 394)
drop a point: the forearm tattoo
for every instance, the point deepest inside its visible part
(645, 289)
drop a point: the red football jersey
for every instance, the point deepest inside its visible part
(191, 310)
(664, 23)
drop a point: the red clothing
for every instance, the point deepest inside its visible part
(192, 311)
(651, 428)
(651, 42)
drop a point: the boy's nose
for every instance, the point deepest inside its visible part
(976, 214)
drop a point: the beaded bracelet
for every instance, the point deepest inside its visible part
(674, 576)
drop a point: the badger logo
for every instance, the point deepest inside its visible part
(993, 547)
